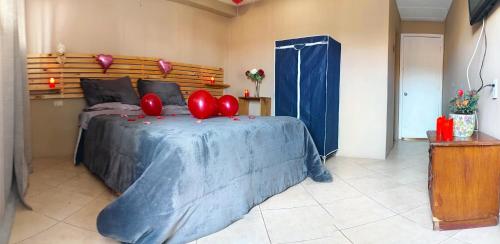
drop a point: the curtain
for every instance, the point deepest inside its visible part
(15, 153)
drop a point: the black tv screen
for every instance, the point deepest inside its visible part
(479, 9)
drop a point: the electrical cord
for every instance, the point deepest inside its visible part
(482, 62)
(474, 54)
(484, 54)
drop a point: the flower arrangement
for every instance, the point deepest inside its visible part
(256, 75)
(464, 103)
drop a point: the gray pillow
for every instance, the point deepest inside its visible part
(169, 92)
(106, 91)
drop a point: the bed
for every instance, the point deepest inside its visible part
(181, 178)
(184, 178)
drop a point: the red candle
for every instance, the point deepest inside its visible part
(444, 130)
(246, 93)
(52, 83)
(212, 80)
(448, 130)
(439, 128)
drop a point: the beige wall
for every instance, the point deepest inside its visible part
(422, 27)
(460, 40)
(155, 28)
(364, 68)
(178, 32)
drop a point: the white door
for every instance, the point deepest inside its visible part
(421, 84)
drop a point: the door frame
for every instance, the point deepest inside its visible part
(401, 73)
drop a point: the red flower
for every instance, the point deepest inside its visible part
(460, 92)
(261, 72)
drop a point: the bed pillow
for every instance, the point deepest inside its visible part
(113, 106)
(106, 91)
(169, 92)
(176, 110)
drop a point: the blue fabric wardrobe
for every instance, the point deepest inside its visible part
(307, 86)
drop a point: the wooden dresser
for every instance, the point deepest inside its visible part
(464, 181)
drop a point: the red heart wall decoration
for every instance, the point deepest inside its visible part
(165, 66)
(105, 61)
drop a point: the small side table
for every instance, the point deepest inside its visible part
(265, 105)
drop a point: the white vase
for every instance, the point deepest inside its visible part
(463, 124)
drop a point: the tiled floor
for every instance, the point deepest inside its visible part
(369, 201)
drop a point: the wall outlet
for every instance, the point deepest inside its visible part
(494, 89)
(58, 103)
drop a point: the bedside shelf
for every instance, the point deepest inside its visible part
(217, 85)
(265, 105)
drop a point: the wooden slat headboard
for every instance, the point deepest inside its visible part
(68, 69)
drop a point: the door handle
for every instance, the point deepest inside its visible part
(406, 94)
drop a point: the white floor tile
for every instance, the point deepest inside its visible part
(249, 230)
(28, 223)
(407, 175)
(373, 183)
(51, 177)
(337, 238)
(421, 186)
(58, 204)
(401, 199)
(389, 166)
(454, 241)
(329, 192)
(487, 235)
(295, 196)
(85, 184)
(86, 217)
(423, 217)
(357, 211)
(35, 189)
(64, 234)
(394, 230)
(298, 224)
(348, 170)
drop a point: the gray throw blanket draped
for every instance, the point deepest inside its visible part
(184, 178)
(14, 109)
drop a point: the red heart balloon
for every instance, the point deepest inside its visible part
(165, 66)
(228, 105)
(202, 104)
(151, 104)
(105, 61)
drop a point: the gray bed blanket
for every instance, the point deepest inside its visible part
(185, 178)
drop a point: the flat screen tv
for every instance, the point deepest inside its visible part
(479, 9)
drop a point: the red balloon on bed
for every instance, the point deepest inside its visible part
(202, 104)
(228, 105)
(151, 104)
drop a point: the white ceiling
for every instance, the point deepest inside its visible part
(242, 3)
(423, 10)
